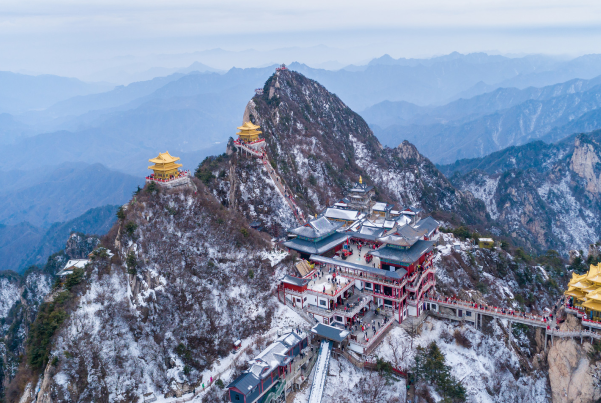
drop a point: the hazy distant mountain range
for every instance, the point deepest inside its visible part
(21, 92)
(489, 122)
(450, 107)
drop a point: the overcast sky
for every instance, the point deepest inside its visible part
(79, 37)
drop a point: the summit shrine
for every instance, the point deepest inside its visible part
(166, 171)
(248, 140)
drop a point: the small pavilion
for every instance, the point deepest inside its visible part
(165, 166)
(248, 132)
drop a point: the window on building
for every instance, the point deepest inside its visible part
(468, 313)
(368, 286)
(339, 318)
(322, 302)
(305, 299)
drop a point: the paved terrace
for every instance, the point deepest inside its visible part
(358, 335)
(355, 303)
(325, 282)
(358, 257)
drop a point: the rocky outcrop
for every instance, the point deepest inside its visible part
(573, 379)
(584, 163)
(79, 245)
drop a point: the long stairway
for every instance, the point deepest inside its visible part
(321, 372)
(279, 184)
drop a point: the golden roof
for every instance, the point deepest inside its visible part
(574, 292)
(594, 305)
(165, 167)
(594, 295)
(164, 158)
(594, 274)
(249, 126)
(249, 129)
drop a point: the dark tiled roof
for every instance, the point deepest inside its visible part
(393, 275)
(330, 332)
(317, 247)
(360, 188)
(403, 236)
(245, 382)
(295, 280)
(317, 228)
(428, 223)
(263, 364)
(367, 233)
(406, 256)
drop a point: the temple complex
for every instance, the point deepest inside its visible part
(350, 271)
(584, 293)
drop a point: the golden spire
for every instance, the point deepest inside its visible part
(360, 180)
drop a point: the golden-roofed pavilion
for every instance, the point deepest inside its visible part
(165, 166)
(584, 291)
(249, 132)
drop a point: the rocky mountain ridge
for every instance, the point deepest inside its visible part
(475, 127)
(548, 196)
(319, 147)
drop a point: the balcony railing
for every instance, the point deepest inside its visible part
(327, 294)
(591, 323)
(412, 286)
(416, 301)
(371, 278)
(382, 295)
(182, 175)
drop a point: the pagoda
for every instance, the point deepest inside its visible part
(248, 132)
(248, 139)
(360, 196)
(164, 166)
(166, 171)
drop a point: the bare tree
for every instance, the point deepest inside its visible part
(371, 388)
(400, 347)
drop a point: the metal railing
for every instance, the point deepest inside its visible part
(345, 272)
(181, 176)
(418, 299)
(514, 316)
(414, 285)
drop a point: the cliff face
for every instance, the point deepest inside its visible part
(545, 196)
(20, 298)
(318, 147)
(188, 278)
(573, 379)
